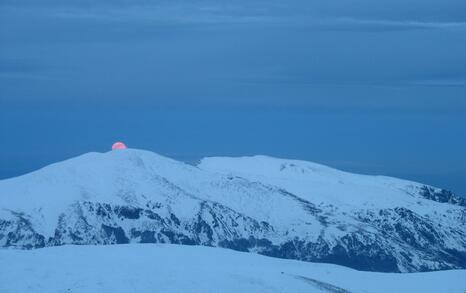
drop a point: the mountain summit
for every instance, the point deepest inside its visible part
(283, 208)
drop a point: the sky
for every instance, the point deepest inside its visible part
(364, 86)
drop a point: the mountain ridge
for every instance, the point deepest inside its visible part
(277, 207)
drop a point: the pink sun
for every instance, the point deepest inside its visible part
(118, 146)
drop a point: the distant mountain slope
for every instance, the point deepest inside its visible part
(283, 208)
(177, 268)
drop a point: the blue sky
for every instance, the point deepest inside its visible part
(361, 86)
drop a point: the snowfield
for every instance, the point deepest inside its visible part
(151, 268)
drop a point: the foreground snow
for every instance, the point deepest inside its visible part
(178, 268)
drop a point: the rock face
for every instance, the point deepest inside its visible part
(282, 208)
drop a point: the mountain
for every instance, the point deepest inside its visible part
(283, 208)
(179, 268)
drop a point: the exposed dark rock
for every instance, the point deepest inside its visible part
(442, 195)
(217, 225)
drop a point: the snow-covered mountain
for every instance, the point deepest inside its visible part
(179, 268)
(282, 208)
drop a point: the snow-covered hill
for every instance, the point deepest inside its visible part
(177, 268)
(283, 208)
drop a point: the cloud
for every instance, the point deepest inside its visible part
(353, 24)
(218, 14)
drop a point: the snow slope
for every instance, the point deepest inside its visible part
(283, 208)
(177, 268)
(322, 184)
